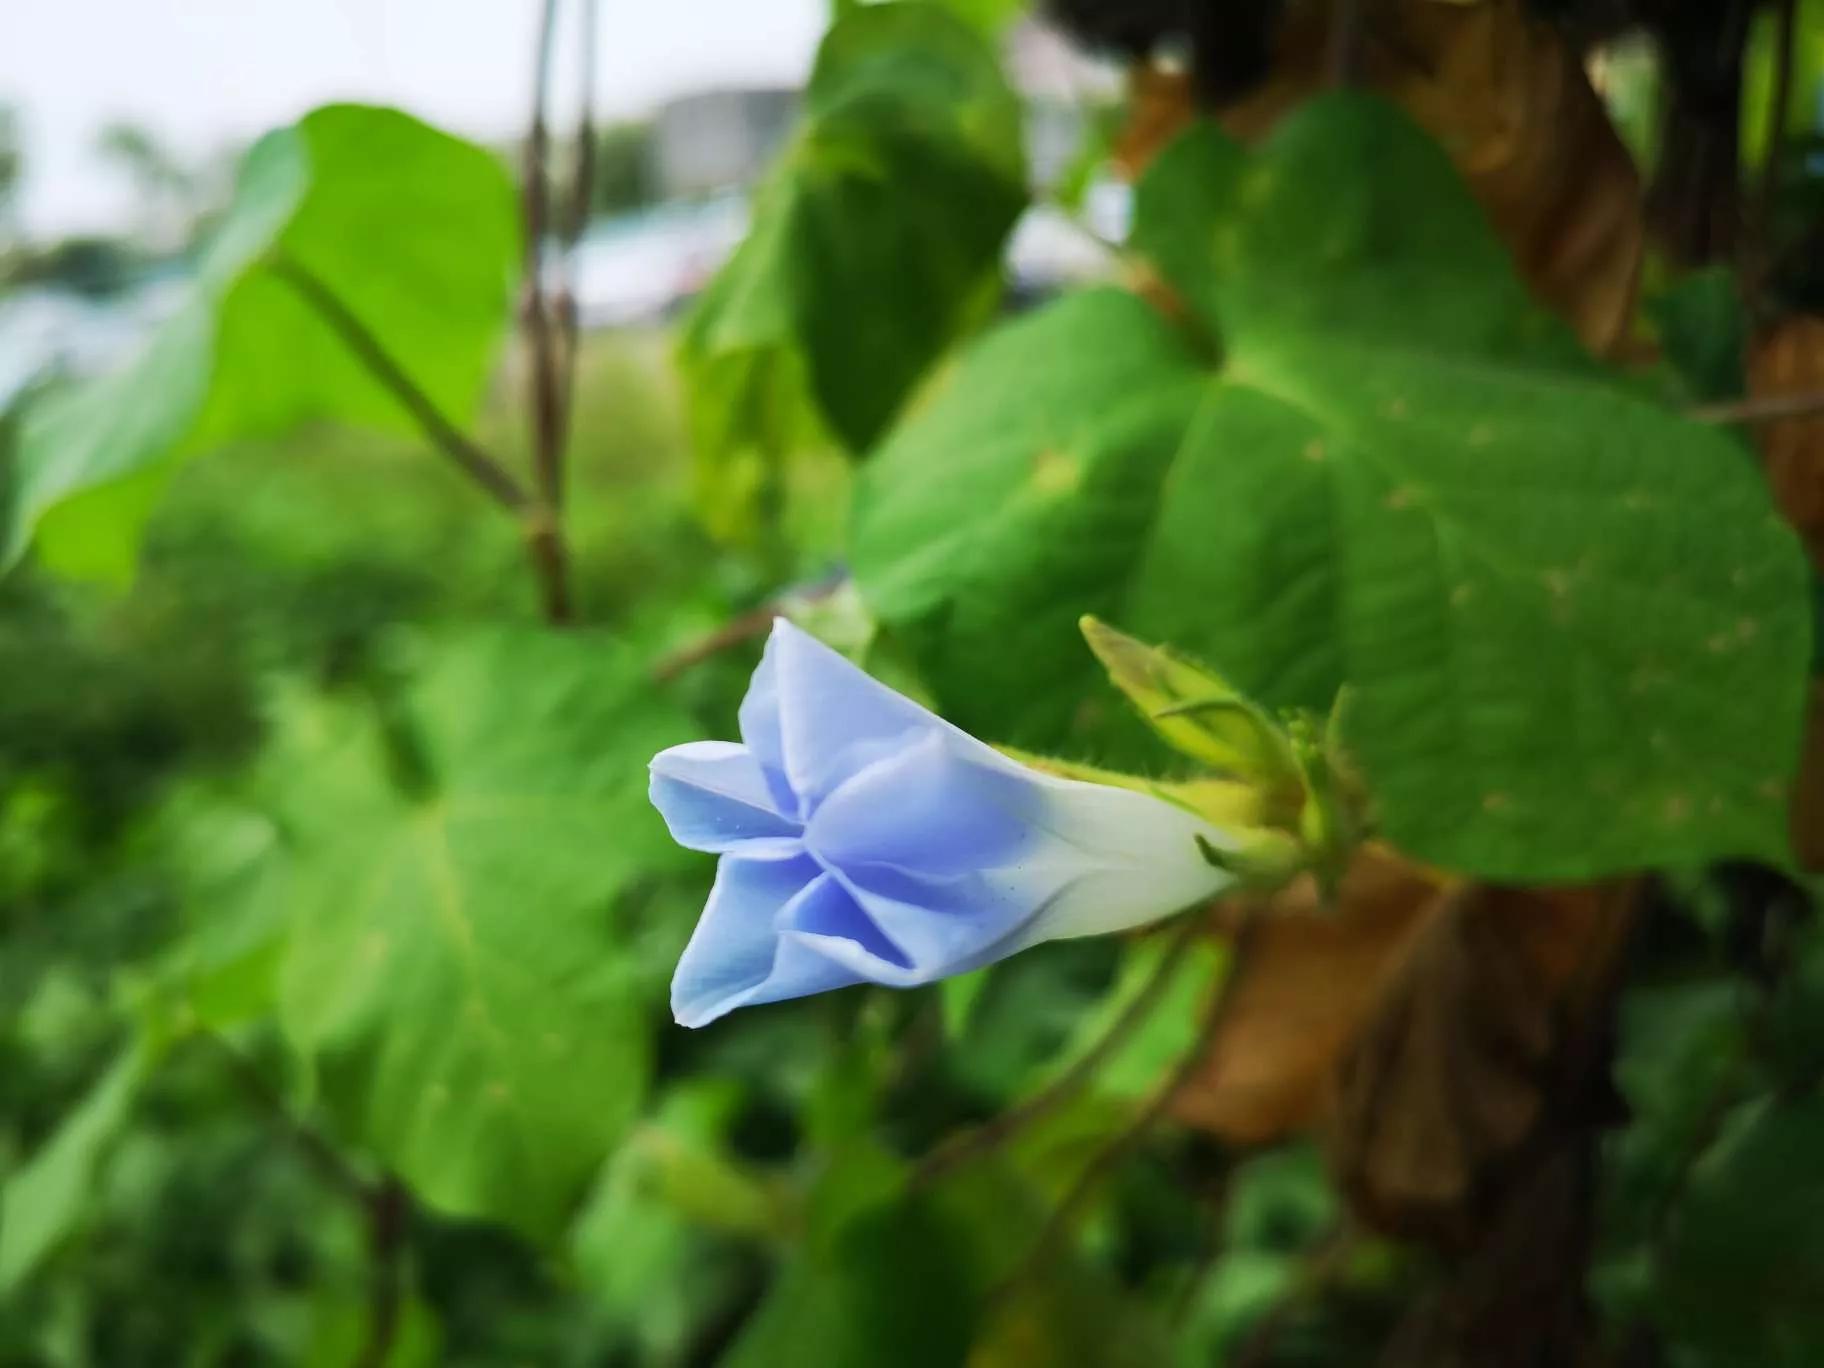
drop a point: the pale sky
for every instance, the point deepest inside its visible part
(206, 74)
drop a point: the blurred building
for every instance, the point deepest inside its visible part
(720, 139)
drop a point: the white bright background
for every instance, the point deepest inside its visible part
(207, 75)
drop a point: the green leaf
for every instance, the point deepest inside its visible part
(413, 230)
(889, 1281)
(454, 972)
(1573, 626)
(874, 242)
(1170, 998)
(233, 871)
(639, 1245)
(1703, 330)
(1743, 1277)
(42, 1202)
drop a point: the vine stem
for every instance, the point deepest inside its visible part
(1064, 1215)
(744, 627)
(576, 218)
(1766, 408)
(331, 1166)
(385, 1204)
(389, 1214)
(543, 543)
(477, 464)
(1343, 59)
(991, 1135)
(535, 211)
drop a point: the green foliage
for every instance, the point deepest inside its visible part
(42, 1201)
(336, 924)
(451, 967)
(875, 242)
(1366, 460)
(1744, 1274)
(413, 230)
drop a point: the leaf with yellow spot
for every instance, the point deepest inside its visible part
(1574, 630)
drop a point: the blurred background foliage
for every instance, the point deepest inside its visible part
(335, 931)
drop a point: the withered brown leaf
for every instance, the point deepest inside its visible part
(1511, 103)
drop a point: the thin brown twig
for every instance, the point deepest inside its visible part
(478, 465)
(544, 545)
(314, 1149)
(992, 1134)
(1065, 1214)
(1343, 59)
(536, 212)
(1764, 408)
(576, 218)
(389, 1220)
(386, 1204)
(744, 627)
(544, 399)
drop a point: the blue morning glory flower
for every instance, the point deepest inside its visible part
(864, 839)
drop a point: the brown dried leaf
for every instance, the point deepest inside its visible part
(1419, 1022)
(1491, 1020)
(1509, 101)
(1160, 105)
(1789, 360)
(1313, 977)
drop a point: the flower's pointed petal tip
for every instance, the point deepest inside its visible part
(693, 1015)
(792, 641)
(787, 630)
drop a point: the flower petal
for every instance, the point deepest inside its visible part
(815, 718)
(736, 956)
(758, 718)
(1141, 860)
(931, 806)
(948, 850)
(960, 859)
(714, 796)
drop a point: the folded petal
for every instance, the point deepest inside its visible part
(758, 719)
(737, 957)
(714, 796)
(949, 925)
(933, 806)
(814, 718)
(961, 857)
